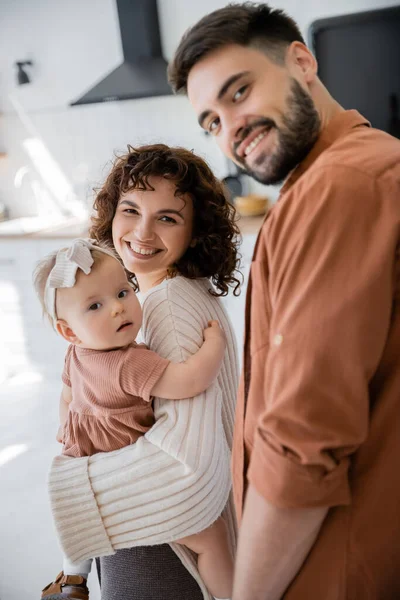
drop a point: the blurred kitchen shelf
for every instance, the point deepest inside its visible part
(250, 225)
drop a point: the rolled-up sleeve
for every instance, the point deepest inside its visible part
(331, 250)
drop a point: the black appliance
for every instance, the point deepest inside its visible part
(359, 62)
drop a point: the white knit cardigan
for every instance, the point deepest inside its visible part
(175, 481)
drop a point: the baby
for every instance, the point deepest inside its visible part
(109, 381)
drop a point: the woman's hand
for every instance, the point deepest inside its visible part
(65, 401)
(60, 435)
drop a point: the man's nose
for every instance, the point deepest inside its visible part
(234, 129)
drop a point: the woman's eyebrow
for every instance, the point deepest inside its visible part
(159, 212)
(129, 203)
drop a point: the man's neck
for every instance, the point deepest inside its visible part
(326, 106)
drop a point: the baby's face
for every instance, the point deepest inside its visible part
(102, 309)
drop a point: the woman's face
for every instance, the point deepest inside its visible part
(152, 229)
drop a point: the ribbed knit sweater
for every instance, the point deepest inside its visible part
(175, 481)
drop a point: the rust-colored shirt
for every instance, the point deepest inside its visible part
(318, 415)
(111, 402)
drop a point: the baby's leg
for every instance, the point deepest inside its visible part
(215, 562)
(70, 583)
(80, 568)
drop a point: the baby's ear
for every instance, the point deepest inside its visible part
(66, 332)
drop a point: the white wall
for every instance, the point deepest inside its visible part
(177, 15)
(73, 44)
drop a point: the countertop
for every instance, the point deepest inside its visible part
(68, 228)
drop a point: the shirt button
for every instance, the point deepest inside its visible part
(278, 339)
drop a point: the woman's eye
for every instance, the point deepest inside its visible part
(166, 219)
(95, 306)
(130, 211)
(239, 93)
(123, 293)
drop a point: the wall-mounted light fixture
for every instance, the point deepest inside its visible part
(22, 75)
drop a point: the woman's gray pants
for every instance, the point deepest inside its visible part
(146, 573)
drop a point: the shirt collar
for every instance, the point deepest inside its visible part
(338, 126)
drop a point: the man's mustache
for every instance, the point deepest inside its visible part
(264, 122)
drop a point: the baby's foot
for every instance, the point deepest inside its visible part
(66, 587)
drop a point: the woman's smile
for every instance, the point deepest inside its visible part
(142, 252)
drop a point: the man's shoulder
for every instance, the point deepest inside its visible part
(351, 177)
(353, 164)
(362, 152)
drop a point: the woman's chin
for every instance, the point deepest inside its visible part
(148, 275)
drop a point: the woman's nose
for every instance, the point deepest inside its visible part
(144, 230)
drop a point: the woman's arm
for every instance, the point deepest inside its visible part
(65, 399)
(173, 482)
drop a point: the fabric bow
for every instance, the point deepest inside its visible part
(63, 274)
(68, 261)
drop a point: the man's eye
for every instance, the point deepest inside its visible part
(213, 125)
(239, 93)
(95, 306)
(123, 293)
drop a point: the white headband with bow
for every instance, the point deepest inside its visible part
(68, 261)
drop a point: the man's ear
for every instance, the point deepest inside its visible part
(66, 332)
(303, 61)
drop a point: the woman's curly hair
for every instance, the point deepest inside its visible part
(215, 254)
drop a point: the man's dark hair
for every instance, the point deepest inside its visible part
(256, 25)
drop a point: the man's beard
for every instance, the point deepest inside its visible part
(295, 138)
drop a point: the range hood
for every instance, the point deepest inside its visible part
(143, 73)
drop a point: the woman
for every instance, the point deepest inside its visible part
(167, 217)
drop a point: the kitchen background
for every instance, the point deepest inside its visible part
(51, 156)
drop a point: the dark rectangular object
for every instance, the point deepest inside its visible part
(359, 62)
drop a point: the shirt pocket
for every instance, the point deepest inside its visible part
(260, 307)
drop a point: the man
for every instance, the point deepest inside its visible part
(317, 441)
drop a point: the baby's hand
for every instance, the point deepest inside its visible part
(214, 332)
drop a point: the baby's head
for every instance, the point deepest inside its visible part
(85, 293)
